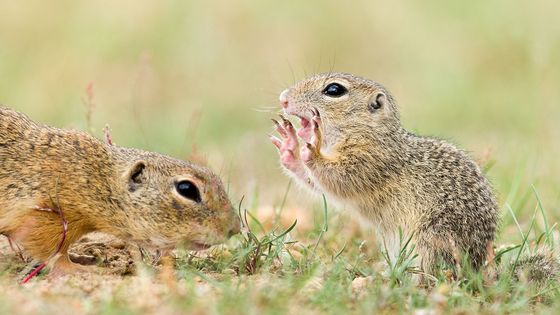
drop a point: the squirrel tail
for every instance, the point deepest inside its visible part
(540, 267)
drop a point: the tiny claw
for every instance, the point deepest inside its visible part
(288, 125)
(279, 128)
(316, 112)
(277, 143)
(312, 110)
(286, 122)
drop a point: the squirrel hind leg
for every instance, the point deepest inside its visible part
(438, 254)
(43, 235)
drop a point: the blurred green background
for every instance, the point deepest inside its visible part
(203, 76)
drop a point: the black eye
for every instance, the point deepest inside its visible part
(188, 190)
(335, 90)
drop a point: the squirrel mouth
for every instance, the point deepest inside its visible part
(304, 121)
(305, 132)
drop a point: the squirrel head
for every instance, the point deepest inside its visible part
(171, 202)
(344, 101)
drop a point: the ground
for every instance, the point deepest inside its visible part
(322, 267)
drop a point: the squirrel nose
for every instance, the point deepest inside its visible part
(284, 98)
(235, 228)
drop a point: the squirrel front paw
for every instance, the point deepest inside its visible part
(313, 137)
(288, 145)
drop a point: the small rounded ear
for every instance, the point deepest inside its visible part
(136, 175)
(378, 100)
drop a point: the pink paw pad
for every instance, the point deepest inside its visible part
(287, 144)
(313, 137)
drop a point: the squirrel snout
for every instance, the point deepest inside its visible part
(283, 98)
(234, 231)
(235, 226)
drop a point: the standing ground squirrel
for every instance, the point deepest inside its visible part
(49, 174)
(356, 152)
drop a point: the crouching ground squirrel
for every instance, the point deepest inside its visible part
(355, 151)
(54, 180)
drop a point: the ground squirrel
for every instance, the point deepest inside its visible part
(356, 152)
(50, 176)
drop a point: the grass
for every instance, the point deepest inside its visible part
(197, 79)
(281, 270)
(314, 281)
